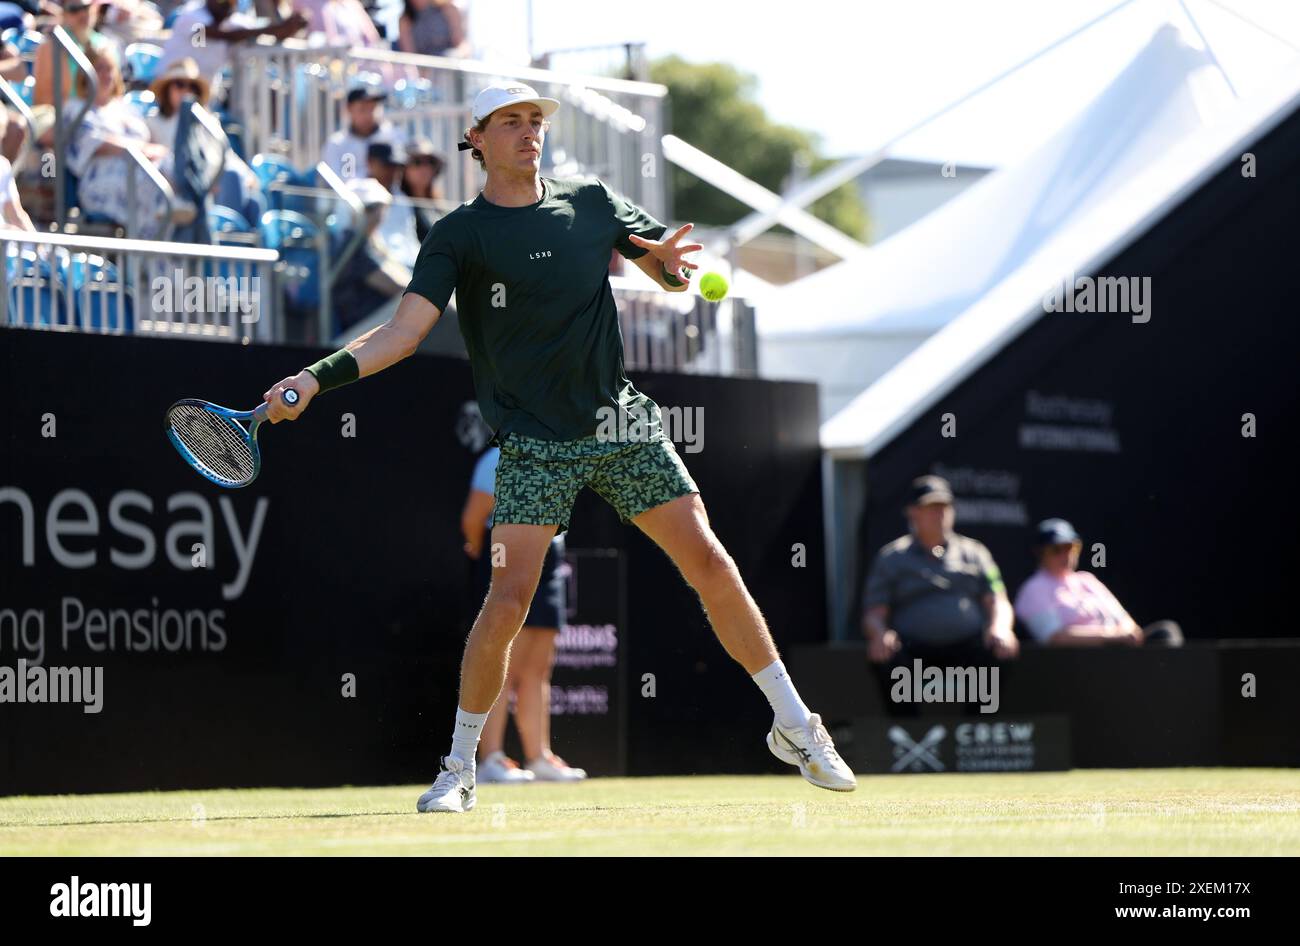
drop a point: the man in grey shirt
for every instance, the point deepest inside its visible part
(934, 594)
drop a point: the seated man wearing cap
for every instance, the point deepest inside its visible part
(347, 150)
(936, 595)
(1065, 607)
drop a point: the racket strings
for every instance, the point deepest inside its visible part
(218, 443)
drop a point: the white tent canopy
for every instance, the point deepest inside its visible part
(1134, 205)
(850, 323)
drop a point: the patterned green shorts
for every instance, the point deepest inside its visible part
(538, 480)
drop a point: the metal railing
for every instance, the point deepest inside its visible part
(290, 98)
(69, 282)
(65, 48)
(325, 202)
(65, 45)
(684, 332)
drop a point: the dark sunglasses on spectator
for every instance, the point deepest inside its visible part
(192, 87)
(73, 8)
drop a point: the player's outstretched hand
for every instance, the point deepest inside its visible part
(671, 251)
(304, 382)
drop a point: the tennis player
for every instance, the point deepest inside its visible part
(528, 260)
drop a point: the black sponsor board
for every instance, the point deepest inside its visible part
(588, 699)
(993, 743)
(308, 629)
(1158, 434)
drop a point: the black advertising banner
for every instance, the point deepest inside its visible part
(998, 743)
(1161, 435)
(588, 701)
(161, 632)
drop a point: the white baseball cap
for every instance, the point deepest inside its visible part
(501, 94)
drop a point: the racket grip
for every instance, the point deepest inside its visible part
(290, 397)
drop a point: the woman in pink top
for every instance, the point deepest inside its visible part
(1068, 608)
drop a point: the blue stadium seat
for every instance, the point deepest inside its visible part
(102, 309)
(225, 220)
(272, 167)
(295, 235)
(35, 296)
(140, 63)
(28, 42)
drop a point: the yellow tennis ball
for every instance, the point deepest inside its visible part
(713, 287)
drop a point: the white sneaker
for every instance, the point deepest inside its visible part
(453, 789)
(500, 768)
(810, 748)
(551, 768)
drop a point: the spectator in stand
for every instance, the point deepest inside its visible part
(97, 156)
(1064, 607)
(347, 150)
(204, 31)
(371, 276)
(81, 20)
(12, 214)
(14, 132)
(385, 163)
(934, 594)
(343, 22)
(131, 21)
(424, 167)
(180, 81)
(432, 28)
(12, 66)
(349, 23)
(13, 17)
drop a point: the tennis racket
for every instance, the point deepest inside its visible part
(211, 439)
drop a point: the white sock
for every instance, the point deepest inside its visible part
(779, 689)
(464, 740)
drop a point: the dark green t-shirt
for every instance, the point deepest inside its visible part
(536, 309)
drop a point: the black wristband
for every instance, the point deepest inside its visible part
(336, 370)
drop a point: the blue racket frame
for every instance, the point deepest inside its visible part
(288, 396)
(257, 416)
